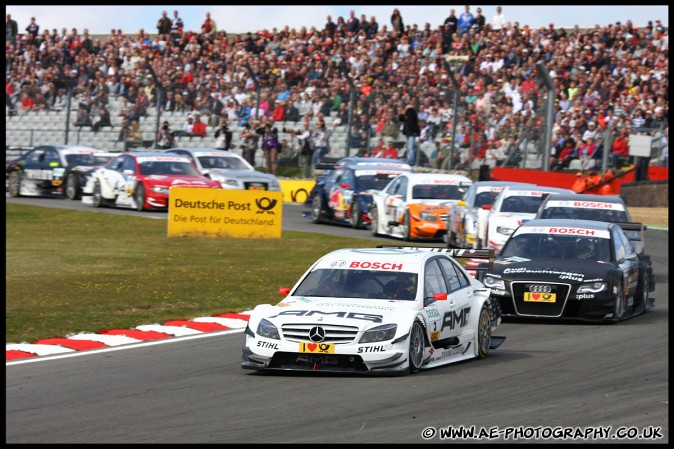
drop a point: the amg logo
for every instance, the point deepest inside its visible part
(452, 318)
(352, 315)
(317, 360)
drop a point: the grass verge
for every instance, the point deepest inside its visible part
(71, 271)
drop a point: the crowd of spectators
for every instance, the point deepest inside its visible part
(613, 75)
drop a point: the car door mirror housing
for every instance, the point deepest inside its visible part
(440, 296)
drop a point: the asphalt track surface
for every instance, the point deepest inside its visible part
(573, 377)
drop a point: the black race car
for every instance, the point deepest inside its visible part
(344, 193)
(54, 169)
(574, 269)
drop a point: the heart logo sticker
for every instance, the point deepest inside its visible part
(536, 296)
(312, 346)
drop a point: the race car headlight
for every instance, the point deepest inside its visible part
(379, 333)
(592, 287)
(159, 189)
(504, 230)
(494, 283)
(274, 185)
(427, 217)
(230, 182)
(267, 330)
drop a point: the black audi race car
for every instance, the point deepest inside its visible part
(54, 169)
(573, 269)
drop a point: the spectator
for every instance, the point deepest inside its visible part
(389, 151)
(466, 21)
(480, 20)
(27, 104)
(306, 149)
(620, 149)
(397, 23)
(499, 21)
(411, 130)
(103, 119)
(164, 24)
(209, 27)
(135, 136)
(187, 127)
(123, 135)
(270, 145)
(223, 136)
(11, 29)
(199, 127)
(82, 118)
(663, 160)
(33, 29)
(321, 137)
(249, 142)
(165, 139)
(176, 26)
(438, 155)
(452, 22)
(379, 148)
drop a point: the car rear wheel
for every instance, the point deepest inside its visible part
(416, 352)
(406, 227)
(483, 332)
(356, 221)
(72, 188)
(316, 209)
(642, 293)
(14, 185)
(374, 226)
(97, 196)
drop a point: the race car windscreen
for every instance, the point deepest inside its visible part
(370, 284)
(438, 192)
(522, 204)
(83, 159)
(168, 168)
(483, 198)
(373, 182)
(577, 213)
(222, 162)
(545, 246)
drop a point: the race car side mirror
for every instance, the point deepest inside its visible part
(461, 203)
(440, 296)
(345, 186)
(486, 206)
(284, 291)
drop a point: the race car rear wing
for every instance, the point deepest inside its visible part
(633, 231)
(457, 253)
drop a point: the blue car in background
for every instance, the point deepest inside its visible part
(344, 193)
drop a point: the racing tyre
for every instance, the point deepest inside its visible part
(97, 196)
(406, 227)
(483, 332)
(641, 299)
(356, 221)
(417, 346)
(620, 300)
(14, 185)
(139, 197)
(316, 210)
(72, 187)
(374, 226)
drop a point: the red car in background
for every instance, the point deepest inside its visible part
(141, 180)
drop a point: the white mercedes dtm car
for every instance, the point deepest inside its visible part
(388, 310)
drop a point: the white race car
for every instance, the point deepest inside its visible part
(415, 205)
(228, 168)
(467, 220)
(389, 310)
(512, 207)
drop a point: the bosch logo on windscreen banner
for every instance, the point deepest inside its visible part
(201, 212)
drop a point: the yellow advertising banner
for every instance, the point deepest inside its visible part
(195, 212)
(296, 191)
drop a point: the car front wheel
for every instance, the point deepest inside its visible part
(356, 221)
(620, 300)
(316, 209)
(406, 227)
(417, 346)
(14, 185)
(374, 226)
(97, 196)
(642, 293)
